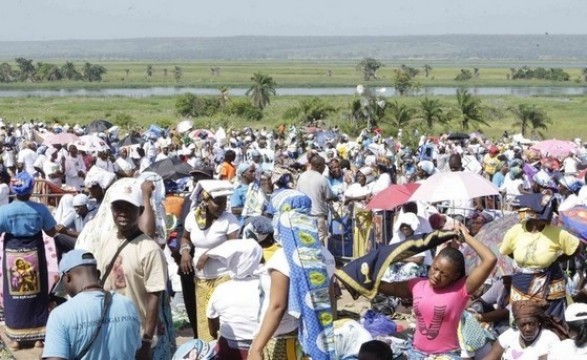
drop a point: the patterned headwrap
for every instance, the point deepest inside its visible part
(22, 184)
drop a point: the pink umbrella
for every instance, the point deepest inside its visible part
(555, 148)
(455, 185)
(393, 196)
(60, 139)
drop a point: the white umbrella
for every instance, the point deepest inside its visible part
(184, 126)
(456, 185)
(91, 143)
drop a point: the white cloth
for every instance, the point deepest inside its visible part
(208, 239)
(278, 262)
(242, 257)
(4, 193)
(72, 167)
(50, 168)
(510, 342)
(238, 315)
(382, 183)
(104, 164)
(567, 350)
(511, 187)
(8, 158)
(28, 157)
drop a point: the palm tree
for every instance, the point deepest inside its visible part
(126, 72)
(585, 74)
(149, 71)
(530, 116)
(427, 70)
(432, 112)
(261, 90)
(224, 95)
(177, 73)
(470, 109)
(69, 71)
(402, 114)
(165, 72)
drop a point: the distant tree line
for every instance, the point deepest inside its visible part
(540, 73)
(27, 71)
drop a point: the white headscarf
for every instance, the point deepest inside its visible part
(241, 257)
(409, 219)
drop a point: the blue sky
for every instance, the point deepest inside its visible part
(110, 19)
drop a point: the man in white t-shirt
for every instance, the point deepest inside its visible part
(75, 169)
(27, 157)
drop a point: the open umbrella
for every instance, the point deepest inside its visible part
(60, 139)
(170, 169)
(97, 126)
(455, 185)
(184, 126)
(555, 148)
(457, 136)
(201, 134)
(491, 234)
(131, 140)
(393, 196)
(574, 221)
(91, 143)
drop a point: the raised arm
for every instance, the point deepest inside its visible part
(488, 260)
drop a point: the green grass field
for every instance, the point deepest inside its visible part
(298, 74)
(567, 113)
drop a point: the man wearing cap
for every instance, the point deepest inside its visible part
(82, 323)
(68, 233)
(139, 271)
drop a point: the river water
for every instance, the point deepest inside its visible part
(174, 91)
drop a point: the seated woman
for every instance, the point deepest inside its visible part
(576, 346)
(530, 339)
(440, 300)
(493, 306)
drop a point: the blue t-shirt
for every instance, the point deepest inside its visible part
(72, 324)
(25, 218)
(498, 179)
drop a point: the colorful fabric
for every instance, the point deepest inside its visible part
(283, 348)
(22, 184)
(308, 297)
(26, 280)
(363, 275)
(548, 285)
(472, 336)
(255, 200)
(165, 331)
(204, 289)
(362, 232)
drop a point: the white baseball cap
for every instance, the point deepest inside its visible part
(131, 193)
(576, 312)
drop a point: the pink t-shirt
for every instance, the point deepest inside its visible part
(438, 312)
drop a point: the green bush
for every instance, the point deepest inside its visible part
(243, 109)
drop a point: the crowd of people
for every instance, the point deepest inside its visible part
(244, 229)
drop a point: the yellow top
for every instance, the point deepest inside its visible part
(540, 249)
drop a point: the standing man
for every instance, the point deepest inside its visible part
(316, 186)
(138, 271)
(75, 169)
(82, 323)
